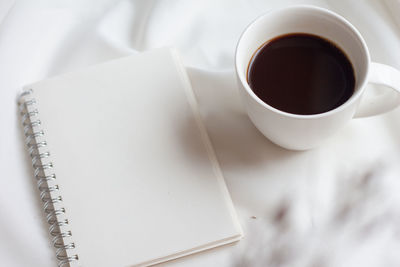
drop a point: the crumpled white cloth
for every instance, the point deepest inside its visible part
(333, 206)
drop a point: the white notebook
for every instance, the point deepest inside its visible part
(125, 168)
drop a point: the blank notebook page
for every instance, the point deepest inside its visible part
(136, 170)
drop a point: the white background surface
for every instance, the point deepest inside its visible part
(310, 207)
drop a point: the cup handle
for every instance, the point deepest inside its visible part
(371, 105)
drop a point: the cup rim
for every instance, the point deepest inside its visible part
(350, 101)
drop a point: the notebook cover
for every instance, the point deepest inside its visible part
(139, 179)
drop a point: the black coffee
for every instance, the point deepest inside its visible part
(301, 74)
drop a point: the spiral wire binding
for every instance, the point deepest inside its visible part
(46, 180)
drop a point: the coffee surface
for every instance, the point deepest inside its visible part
(301, 74)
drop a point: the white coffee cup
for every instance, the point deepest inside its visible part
(300, 132)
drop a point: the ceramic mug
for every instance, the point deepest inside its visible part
(301, 132)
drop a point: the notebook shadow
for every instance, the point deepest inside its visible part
(236, 141)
